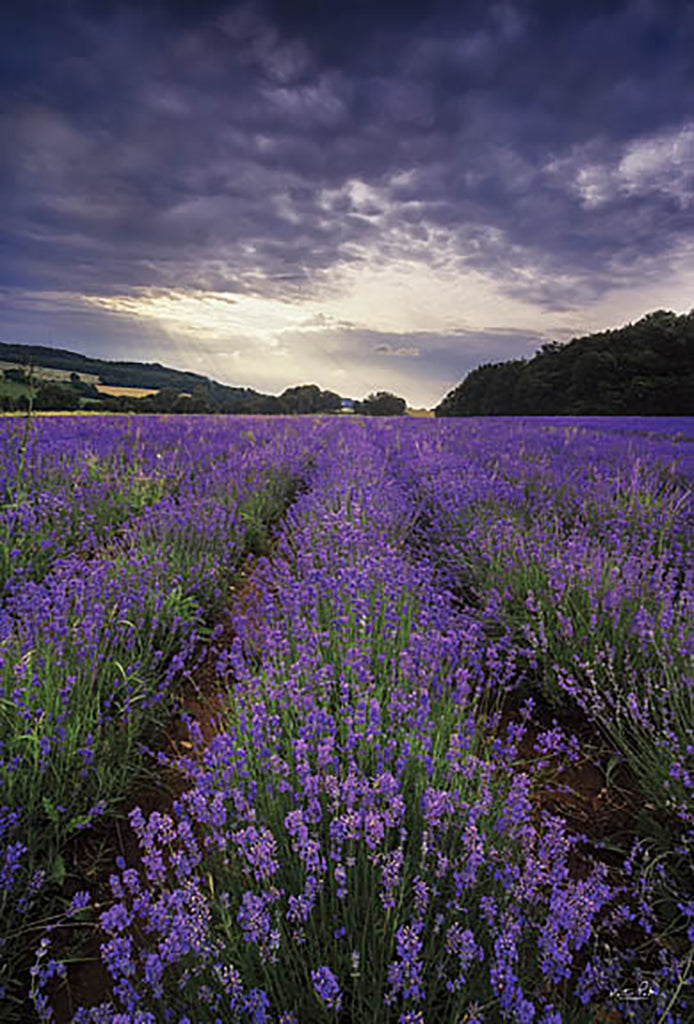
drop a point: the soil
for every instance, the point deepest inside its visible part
(88, 982)
(602, 808)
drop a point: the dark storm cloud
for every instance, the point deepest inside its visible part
(209, 145)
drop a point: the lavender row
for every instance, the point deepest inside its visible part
(580, 544)
(72, 484)
(361, 841)
(88, 653)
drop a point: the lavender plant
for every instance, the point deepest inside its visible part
(364, 839)
(579, 545)
(89, 649)
(354, 846)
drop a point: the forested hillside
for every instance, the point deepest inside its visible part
(172, 391)
(643, 369)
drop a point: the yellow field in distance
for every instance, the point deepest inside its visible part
(117, 392)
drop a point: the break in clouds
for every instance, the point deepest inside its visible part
(364, 195)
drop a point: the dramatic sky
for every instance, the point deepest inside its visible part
(358, 194)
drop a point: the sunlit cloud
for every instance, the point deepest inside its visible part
(662, 163)
(214, 313)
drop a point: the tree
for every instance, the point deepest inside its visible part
(54, 397)
(381, 403)
(17, 374)
(308, 398)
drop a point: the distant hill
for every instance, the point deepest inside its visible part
(117, 374)
(58, 379)
(642, 369)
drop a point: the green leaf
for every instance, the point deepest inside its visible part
(51, 810)
(78, 822)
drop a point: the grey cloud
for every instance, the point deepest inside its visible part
(190, 145)
(398, 351)
(426, 364)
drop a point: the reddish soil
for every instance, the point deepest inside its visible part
(203, 700)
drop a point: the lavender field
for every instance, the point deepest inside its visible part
(415, 696)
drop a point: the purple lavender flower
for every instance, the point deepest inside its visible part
(327, 988)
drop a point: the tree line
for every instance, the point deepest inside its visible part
(207, 396)
(643, 369)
